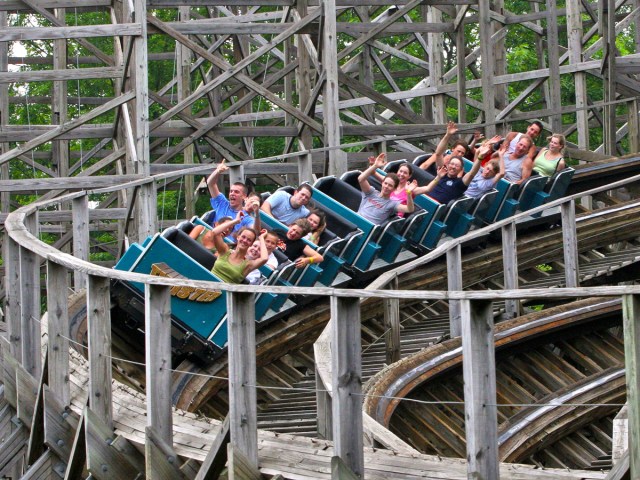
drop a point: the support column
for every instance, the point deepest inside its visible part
(346, 369)
(392, 325)
(80, 215)
(99, 334)
(574, 30)
(157, 327)
(454, 283)
(570, 244)
(486, 51)
(11, 256)
(30, 329)
(184, 62)
(58, 331)
(510, 267)
(479, 373)
(554, 64)
(243, 413)
(631, 322)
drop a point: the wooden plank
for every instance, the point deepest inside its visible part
(631, 323)
(570, 244)
(103, 461)
(58, 331)
(240, 467)
(216, 458)
(346, 385)
(60, 424)
(340, 470)
(454, 283)
(392, 325)
(9, 366)
(11, 256)
(510, 267)
(99, 339)
(161, 462)
(479, 373)
(30, 329)
(242, 375)
(27, 392)
(158, 360)
(41, 468)
(36, 446)
(78, 456)
(80, 212)
(10, 447)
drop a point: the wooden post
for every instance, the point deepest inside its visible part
(554, 64)
(11, 256)
(392, 324)
(479, 373)
(346, 370)
(58, 331)
(157, 321)
(570, 244)
(30, 330)
(510, 267)
(243, 413)
(631, 322)
(324, 408)
(337, 158)
(574, 34)
(80, 215)
(236, 174)
(634, 125)
(184, 61)
(99, 333)
(454, 282)
(488, 60)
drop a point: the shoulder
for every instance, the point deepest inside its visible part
(219, 199)
(278, 196)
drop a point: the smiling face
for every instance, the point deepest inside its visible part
(314, 220)
(522, 147)
(245, 238)
(556, 144)
(454, 167)
(388, 186)
(533, 130)
(254, 250)
(404, 174)
(236, 197)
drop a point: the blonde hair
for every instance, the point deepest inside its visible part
(561, 139)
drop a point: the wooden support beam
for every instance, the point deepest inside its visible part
(510, 267)
(242, 375)
(30, 327)
(479, 373)
(570, 244)
(216, 458)
(99, 333)
(631, 324)
(240, 467)
(392, 325)
(80, 212)
(346, 370)
(157, 323)
(60, 424)
(11, 257)
(161, 462)
(454, 283)
(341, 471)
(58, 331)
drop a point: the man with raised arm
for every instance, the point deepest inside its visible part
(518, 164)
(288, 208)
(229, 208)
(533, 131)
(440, 157)
(376, 206)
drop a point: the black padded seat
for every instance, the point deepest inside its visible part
(191, 247)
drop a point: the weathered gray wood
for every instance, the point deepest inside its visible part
(553, 57)
(510, 266)
(99, 339)
(103, 461)
(620, 470)
(58, 331)
(158, 360)
(30, 335)
(9, 365)
(27, 392)
(78, 456)
(161, 462)
(81, 31)
(570, 244)
(60, 424)
(11, 451)
(346, 371)
(36, 446)
(454, 283)
(40, 468)
(631, 323)
(620, 435)
(242, 375)
(11, 257)
(479, 372)
(216, 458)
(392, 325)
(488, 61)
(341, 471)
(80, 237)
(574, 34)
(240, 467)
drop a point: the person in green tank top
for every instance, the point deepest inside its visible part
(232, 264)
(551, 159)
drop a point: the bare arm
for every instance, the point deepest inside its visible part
(212, 181)
(442, 171)
(409, 207)
(311, 256)
(266, 208)
(217, 234)
(258, 262)
(362, 178)
(196, 231)
(527, 167)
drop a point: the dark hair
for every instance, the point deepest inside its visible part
(257, 195)
(459, 158)
(393, 177)
(462, 143)
(307, 187)
(538, 124)
(321, 215)
(408, 166)
(237, 234)
(245, 189)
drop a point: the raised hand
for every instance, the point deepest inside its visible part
(452, 128)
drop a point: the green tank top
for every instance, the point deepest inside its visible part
(227, 271)
(545, 167)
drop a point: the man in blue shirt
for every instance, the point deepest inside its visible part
(228, 208)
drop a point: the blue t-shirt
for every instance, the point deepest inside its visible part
(222, 209)
(282, 210)
(479, 185)
(448, 189)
